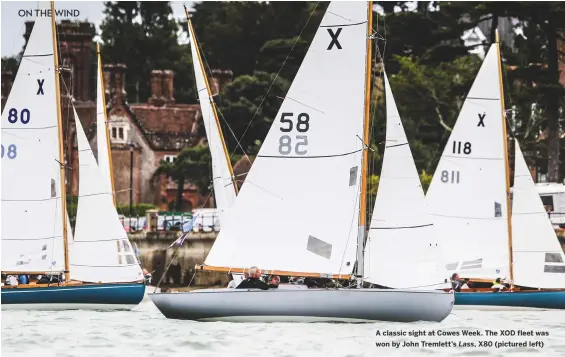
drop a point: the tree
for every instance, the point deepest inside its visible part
(243, 106)
(192, 165)
(143, 35)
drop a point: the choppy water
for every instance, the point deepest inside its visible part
(145, 332)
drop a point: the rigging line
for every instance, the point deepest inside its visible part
(278, 73)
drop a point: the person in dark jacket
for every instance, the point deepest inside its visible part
(254, 281)
(457, 283)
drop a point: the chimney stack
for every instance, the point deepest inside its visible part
(168, 87)
(107, 79)
(119, 84)
(7, 81)
(219, 79)
(156, 98)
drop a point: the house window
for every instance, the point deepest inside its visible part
(170, 158)
(118, 133)
(547, 202)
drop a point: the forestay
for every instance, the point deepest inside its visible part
(102, 131)
(298, 208)
(32, 234)
(537, 255)
(224, 190)
(101, 251)
(402, 250)
(467, 196)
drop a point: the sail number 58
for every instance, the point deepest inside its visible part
(302, 126)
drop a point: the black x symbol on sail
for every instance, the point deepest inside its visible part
(40, 89)
(481, 120)
(334, 37)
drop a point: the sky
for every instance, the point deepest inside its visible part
(12, 24)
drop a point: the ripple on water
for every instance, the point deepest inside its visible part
(144, 332)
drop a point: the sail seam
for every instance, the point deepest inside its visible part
(405, 227)
(344, 25)
(96, 241)
(481, 98)
(95, 194)
(310, 157)
(474, 158)
(463, 217)
(396, 145)
(104, 266)
(38, 200)
(23, 240)
(44, 55)
(43, 127)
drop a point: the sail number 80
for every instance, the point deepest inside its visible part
(302, 126)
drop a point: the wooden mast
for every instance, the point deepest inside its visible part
(506, 163)
(101, 76)
(366, 140)
(192, 36)
(61, 153)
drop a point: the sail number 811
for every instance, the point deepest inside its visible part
(302, 126)
(450, 176)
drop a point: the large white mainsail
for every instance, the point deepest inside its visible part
(224, 190)
(32, 222)
(402, 249)
(298, 208)
(538, 258)
(101, 249)
(467, 195)
(102, 130)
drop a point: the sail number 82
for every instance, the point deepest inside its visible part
(302, 126)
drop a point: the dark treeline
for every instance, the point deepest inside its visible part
(430, 67)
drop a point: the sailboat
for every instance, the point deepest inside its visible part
(35, 237)
(401, 223)
(469, 197)
(301, 210)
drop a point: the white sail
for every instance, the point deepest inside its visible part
(402, 250)
(101, 249)
(102, 132)
(32, 233)
(298, 208)
(224, 190)
(538, 258)
(467, 196)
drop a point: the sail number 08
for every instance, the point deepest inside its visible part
(11, 152)
(302, 126)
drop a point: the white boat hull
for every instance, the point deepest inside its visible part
(310, 305)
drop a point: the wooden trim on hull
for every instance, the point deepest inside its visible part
(273, 272)
(514, 290)
(67, 283)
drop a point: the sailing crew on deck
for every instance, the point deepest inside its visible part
(231, 284)
(274, 282)
(254, 281)
(457, 283)
(497, 284)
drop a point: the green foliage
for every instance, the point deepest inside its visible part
(146, 46)
(138, 210)
(192, 165)
(373, 183)
(429, 67)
